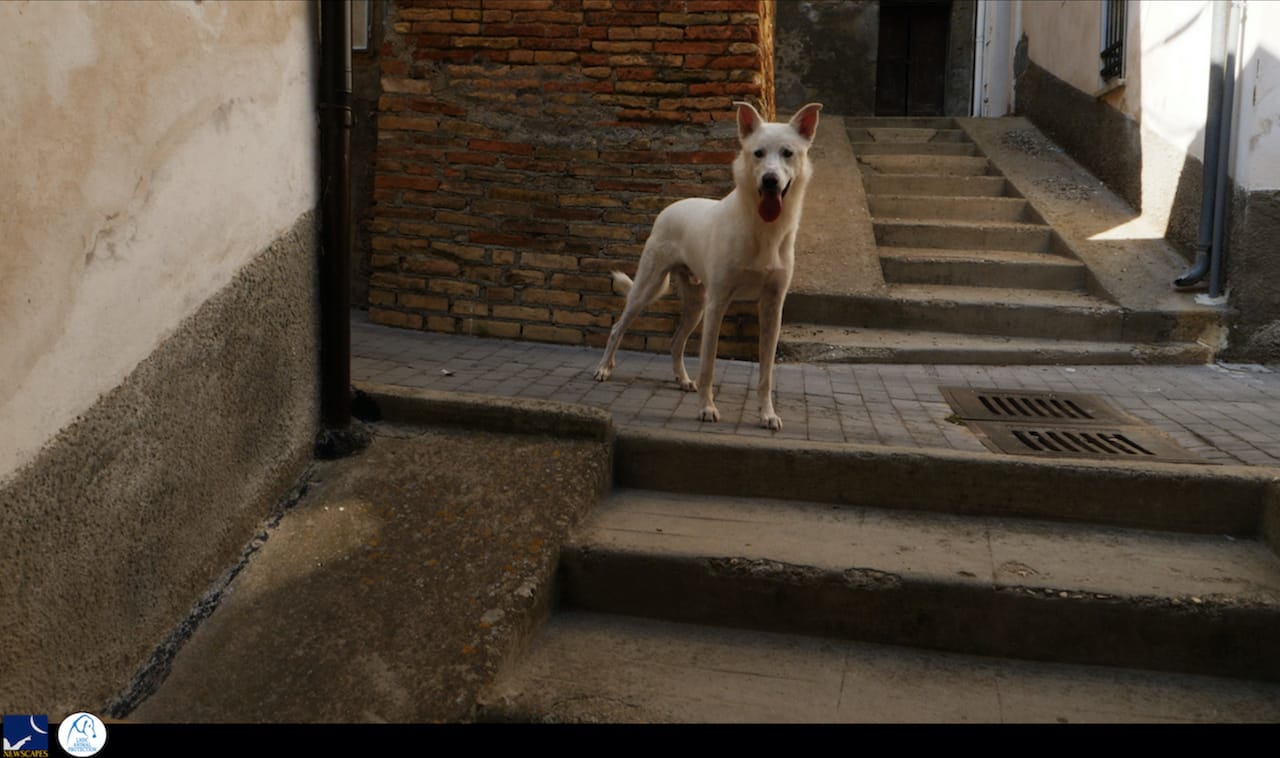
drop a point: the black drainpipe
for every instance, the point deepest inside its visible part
(1217, 150)
(1219, 256)
(336, 436)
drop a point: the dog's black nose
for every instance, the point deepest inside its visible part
(769, 183)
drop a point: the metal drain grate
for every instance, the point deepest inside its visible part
(1053, 425)
(1028, 405)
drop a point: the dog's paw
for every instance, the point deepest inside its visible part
(772, 423)
(688, 385)
(602, 374)
(709, 414)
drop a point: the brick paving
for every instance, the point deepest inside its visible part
(1225, 413)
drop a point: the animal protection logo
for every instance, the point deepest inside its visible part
(82, 734)
(26, 736)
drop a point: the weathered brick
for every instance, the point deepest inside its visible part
(430, 266)
(480, 229)
(388, 317)
(582, 282)
(469, 308)
(454, 288)
(549, 297)
(580, 318)
(405, 84)
(503, 329)
(408, 123)
(548, 261)
(382, 297)
(520, 312)
(396, 281)
(557, 334)
(447, 324)
(601, 231)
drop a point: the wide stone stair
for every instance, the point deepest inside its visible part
(972, 273)
(737, 580)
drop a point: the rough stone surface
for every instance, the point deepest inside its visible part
(136, 507)
(395, 589)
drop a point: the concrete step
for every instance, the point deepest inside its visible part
(945, 186)
(934, 165)
(907, 135)
(1043, 314)
(587, 667)
(814, 343)
(1067, 593)
(908, 122)
(964, 235)
(1168, 497)
(763, 581)
(982, 268)
(915, 148)
(941, 206)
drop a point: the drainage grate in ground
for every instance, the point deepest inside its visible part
(1060, 424)
(1030, 405)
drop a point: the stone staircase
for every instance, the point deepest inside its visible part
(737, 580)
(972, 272)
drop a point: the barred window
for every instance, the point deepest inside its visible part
(1113, 24)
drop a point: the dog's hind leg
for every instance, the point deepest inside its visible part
(648, 286)
(692, 300)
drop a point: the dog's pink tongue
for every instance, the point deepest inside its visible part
(770, 206)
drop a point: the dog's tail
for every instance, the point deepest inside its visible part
(622, 284)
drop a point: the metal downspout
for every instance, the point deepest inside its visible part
(1217, 259)
(1213, 113)
(336, 436)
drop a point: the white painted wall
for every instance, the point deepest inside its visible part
(149, 151)
(1256, 151)
(1064, 39)
(995, 58)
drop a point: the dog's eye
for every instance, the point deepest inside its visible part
(786, 152)
(759, 153)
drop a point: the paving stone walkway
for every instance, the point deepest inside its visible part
(1225, 413)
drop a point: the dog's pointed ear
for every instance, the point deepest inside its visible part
(749, 119)
(805, 122)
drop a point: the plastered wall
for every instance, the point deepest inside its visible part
(149, 151)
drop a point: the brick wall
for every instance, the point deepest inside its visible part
(525, 147)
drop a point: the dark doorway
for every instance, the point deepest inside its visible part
(911, 64)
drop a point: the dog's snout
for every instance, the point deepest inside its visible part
(769, 182)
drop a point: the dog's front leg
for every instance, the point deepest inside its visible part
(717, 304)
(771, 298)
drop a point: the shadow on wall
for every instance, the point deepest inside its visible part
(827, 52)
(1097, 135)
(1253, 226)
(1110, 146)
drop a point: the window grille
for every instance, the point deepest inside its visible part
(1113, 23)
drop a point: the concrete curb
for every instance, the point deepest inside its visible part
(1210, 499)
(488, 412)
(1175, 497)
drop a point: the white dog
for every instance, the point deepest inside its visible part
(719, 251)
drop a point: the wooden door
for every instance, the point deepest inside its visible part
(911, 63)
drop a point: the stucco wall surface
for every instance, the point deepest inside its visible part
(127, 516)
(1257, 154)
(158, 327)
(151, 150)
